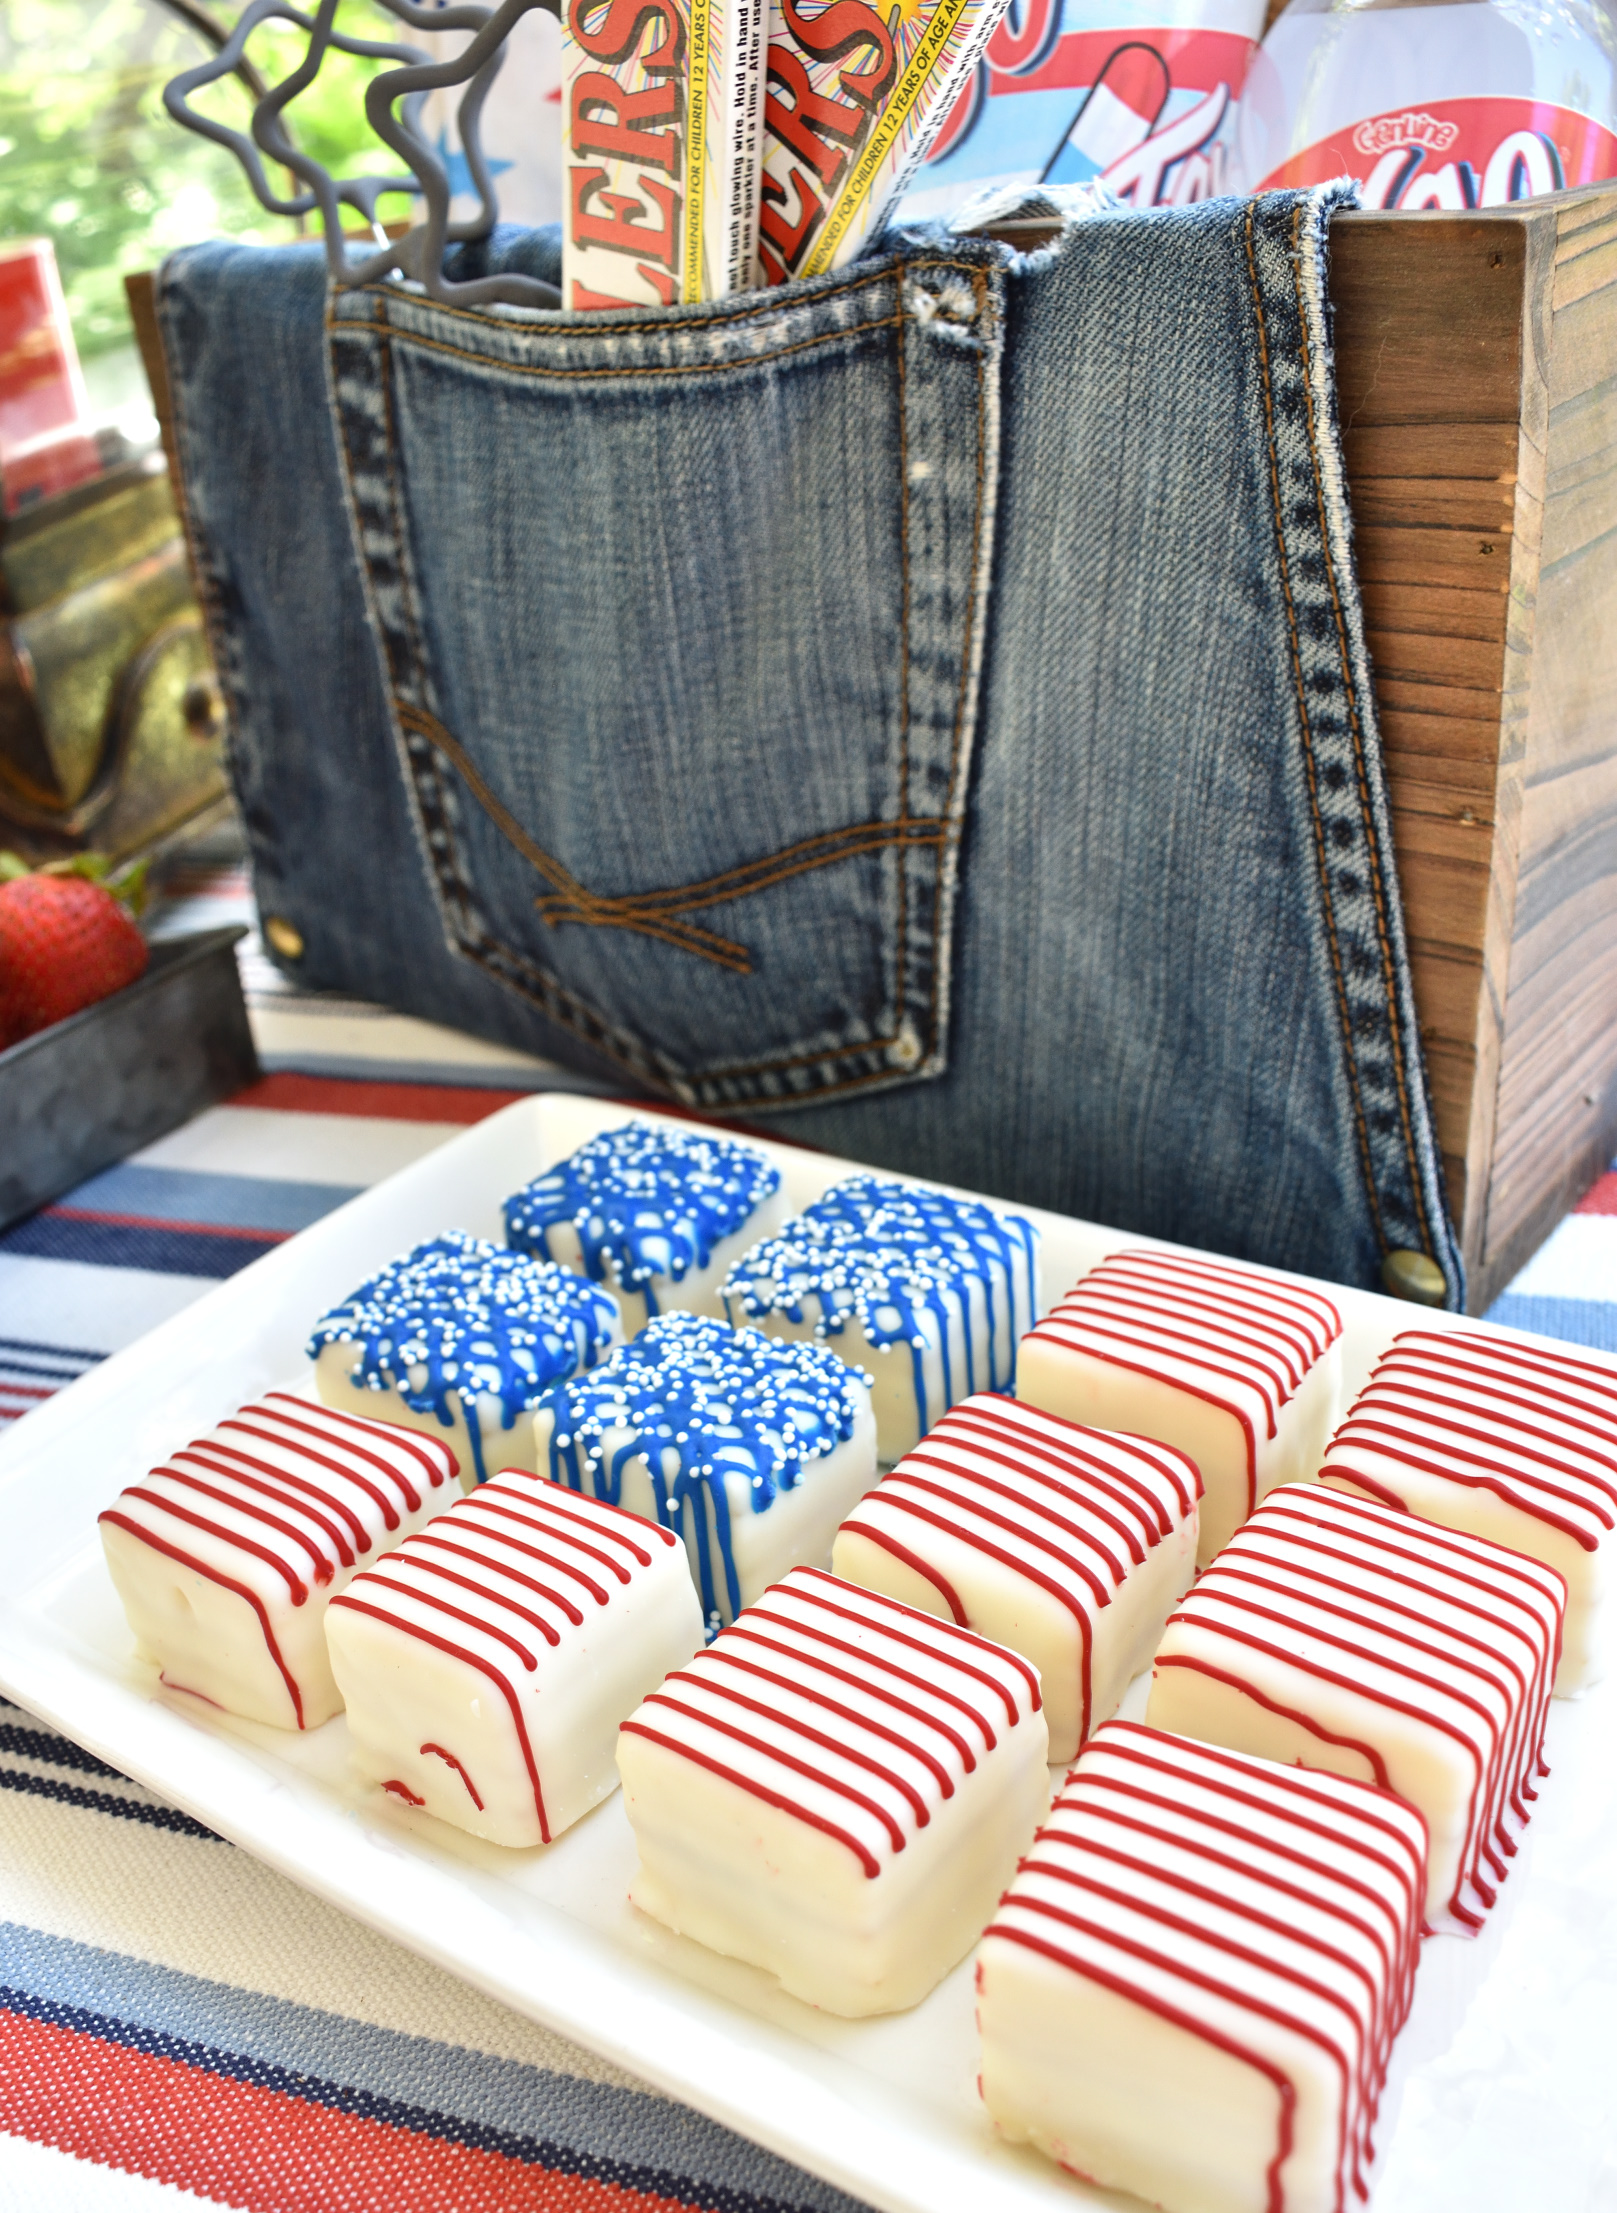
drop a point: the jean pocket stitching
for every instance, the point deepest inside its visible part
(657, 913)
(388, 298)
(391, 333)
(919, 1009)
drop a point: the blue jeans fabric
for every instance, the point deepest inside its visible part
(926, 705)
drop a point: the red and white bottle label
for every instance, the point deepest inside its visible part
(1457, 154)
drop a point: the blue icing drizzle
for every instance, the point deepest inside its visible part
(651, 1202)
(484, 1323)
(712, 1401)
(897, 1257)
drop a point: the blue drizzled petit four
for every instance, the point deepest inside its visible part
(654, 1212)
(459, 1326)
(932, 1292)
(751, 1449)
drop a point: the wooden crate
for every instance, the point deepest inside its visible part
(1476, 359)
(1477, 363)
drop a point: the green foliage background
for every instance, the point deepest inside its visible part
(89, 158)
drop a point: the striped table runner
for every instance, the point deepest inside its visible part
(179, 2024)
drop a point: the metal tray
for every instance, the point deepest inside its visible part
(90, 1090)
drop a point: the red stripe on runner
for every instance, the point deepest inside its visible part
(1601, 1197)
(243, 2145)
(387, 1102)
(164, 1221)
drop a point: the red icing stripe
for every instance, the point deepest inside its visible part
(1141, 1521)
(867, 1660)
(746, 1625)
(1505, 1352)
(1398, 1377)
(374, 1580)
(1060, 1592)
(1355, 2079)
(296, 1588)
(347, 1472)
(480, 1502)
(1506, 1484)
(1069, 1318)
(969, 1482)
(1276, 1360)
(436, 1540)
(173, 1552)
(945, 1655)
(460, 1769)
(433, 1455)
(1191, 1758)
(1318, 1311)
(854, 1527)
(228, 1460)
(242, 1501)
(718, 1688)
(472, 1659)
(861, 1853)
(1255, 1841)
(1140, 1996)
(719, 1652)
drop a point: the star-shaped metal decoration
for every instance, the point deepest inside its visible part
(437, 173)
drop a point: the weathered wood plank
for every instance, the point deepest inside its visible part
(1475, 663)
(1415, 553)
(1481, 505)
(1465, 709)
(1446, 452)
(1428, 318)
(1434, 610)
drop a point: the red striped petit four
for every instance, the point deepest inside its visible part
(227, 1556)
(487, 1663)
(1509, 1441)
(1069, 1545)
(1333, 1633)
(1192, 1987)
(1238, 1367)
(837, 1790)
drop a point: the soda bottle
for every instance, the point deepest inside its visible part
(1443, 104)
(1137, 94)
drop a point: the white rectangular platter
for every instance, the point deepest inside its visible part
(1508, 2059)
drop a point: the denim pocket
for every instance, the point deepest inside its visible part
(681, 618)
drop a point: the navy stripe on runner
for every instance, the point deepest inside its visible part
(101, 1801)
(529, 2151)
(55, 1751)
(51, 1352)
(195, 1198)
(164, 1250)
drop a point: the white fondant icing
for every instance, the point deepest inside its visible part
(1070, 1545)
(836, 1790)
(487, 1663)
(227, 1556)
(1238, 1367)
(1332, 1633)
(1509, 1441)
(1192, 1987)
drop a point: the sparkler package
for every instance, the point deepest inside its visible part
(661, 104)
(854, 99)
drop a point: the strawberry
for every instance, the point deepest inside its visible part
(64, 943)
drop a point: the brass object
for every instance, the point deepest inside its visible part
(1412, 1275)
(284, 936)
(111, 721)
